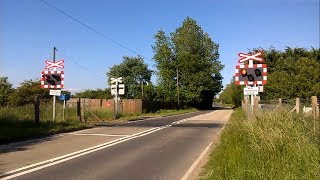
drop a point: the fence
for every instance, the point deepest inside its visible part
(83, 109)
(305, 106)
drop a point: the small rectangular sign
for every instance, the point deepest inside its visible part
(55, 92)
(113, 91)
(260, 88)
(247, 91)
(121, 91)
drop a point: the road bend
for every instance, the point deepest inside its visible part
(155, 148)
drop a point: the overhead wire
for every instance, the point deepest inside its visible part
(92, 29)
(83, 67)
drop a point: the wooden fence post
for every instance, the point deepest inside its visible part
(36, 110)
(315, 107)
(298, 105)
(79, 109)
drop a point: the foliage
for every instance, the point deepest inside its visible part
(5, 90)
(295, 72)
(187, 58)
(136, 76)
(232, 94)
(94, 94)
(26, 93)
(273, 145)
(292, 73)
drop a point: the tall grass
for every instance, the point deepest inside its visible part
(18, 122)
(272, 145)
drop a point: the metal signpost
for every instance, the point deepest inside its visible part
(53, 79)
(254, 76)
(64, 98)
(116, 89)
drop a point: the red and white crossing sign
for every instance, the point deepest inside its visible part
(52, 79)
(247, 57)
(58, 64)
(255, 74)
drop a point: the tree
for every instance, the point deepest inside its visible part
(135, 73)
(5, 90)
(232, 94)
(26, 93)
(187, 63)
(295, 72)
(94, 94)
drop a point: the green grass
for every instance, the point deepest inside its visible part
(17, 123)
(273, 145)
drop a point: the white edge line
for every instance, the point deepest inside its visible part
(78, 155)
(195, 164)
(74, 153)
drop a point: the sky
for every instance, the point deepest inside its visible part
(29, 29)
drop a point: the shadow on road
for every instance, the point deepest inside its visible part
(24, 145)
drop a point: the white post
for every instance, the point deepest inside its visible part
(54, 103)
(54, 97)
(54, 108)
(64, 107)
(116, 99)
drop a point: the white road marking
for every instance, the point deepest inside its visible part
(106, 135)
(195, 164)
(154, 118)
(60, 159)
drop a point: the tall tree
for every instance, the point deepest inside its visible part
(135, 75)
(187, 63)
(5, 90)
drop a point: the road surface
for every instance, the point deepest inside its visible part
(156, 148)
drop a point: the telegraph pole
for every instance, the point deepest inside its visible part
(54, 97)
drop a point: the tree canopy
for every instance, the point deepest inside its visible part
(5, 90)
(26, 92)
(187, 63)
(293, 72)
(135, 75)
(94, 94)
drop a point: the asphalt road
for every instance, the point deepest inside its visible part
(161, 148)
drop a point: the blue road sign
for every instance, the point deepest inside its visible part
(64, 97)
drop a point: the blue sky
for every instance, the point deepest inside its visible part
(29, 29)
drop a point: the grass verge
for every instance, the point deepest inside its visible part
(273, 145)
